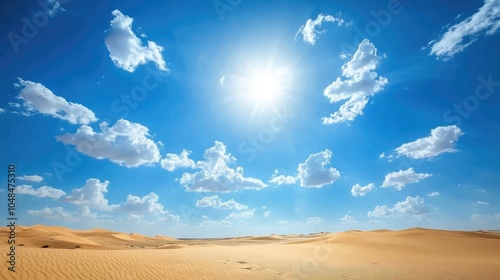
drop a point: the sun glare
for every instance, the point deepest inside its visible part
(263, 88)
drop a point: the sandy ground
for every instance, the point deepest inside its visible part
(102, 254)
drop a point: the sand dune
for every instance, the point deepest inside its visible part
(45, 252)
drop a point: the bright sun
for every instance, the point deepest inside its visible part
(263, 88)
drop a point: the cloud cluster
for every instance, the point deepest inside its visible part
(360, 84)
(91, 195)
(441, 140)
(215, 175)
(39, 99)
(412, 206)
(126, 49)
(216, 203)
(399, 179)
(310, 32)
(486, 21)
(125, 143)
(172, 161)
(348, 220)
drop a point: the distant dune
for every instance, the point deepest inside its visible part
(45, 252)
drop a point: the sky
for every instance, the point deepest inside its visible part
(228, 118)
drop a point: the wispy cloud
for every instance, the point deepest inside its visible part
(401, 178)
(310, 32)
(486, 21)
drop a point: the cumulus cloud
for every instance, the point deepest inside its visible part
(282, 179)
(434, 193)
(347, 219)
(216, 176)
(267, 214)
(145, 204)
(32, 178)
(313, 173)
(39, 99)
(486, 21)
(172, 161)
(412, 206)
(126, 49)
(310, 32)
(216, 203)
(441, 140)
(314, 221)
(360, 84)
(241, 215)
(358, 190)
(399, 179)
(44, 191)
(125, 143)
(91, 195)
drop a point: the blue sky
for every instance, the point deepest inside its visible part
(223, 118)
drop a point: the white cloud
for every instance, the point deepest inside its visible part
(312, 173)
(125, 143)
(2, 110)
(347, 219)
(216, 203)
(241, 215)
(441, 140)
(44, 191)
(169, 218)
(361, 83)
(146, 204)
(172, 161)
(399, 179)
(221, 80)
(310, 32)
(39, 99)
(126, 49)
(59, 214)
(282, 179)
(482, 203)
(267, 214)
(434, 193)
(214, 224)
(91, 195)
(215, 174)
(314, 221)
(358, 190)
(486, 21)
(412, 206)
(32, 178)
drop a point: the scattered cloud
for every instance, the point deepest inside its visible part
(313, 173)
(347, 219)
(39, 99)
(399, 179)
(358, 190)
(486, 21)
(44, 191)
(59, 214)
(241, 215)
(434, 193)
(216, 203)
(360, 84)
(412, 206)
(441, 140)
(310, 32)
(172, 161)
(214, 224)
(91, 195)
(267, 214)
(126, 49)
(221, 80)
(215, 174)
(125, 143)
(314, 220)
(482, 203)
(32, 178)
(167, 217)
